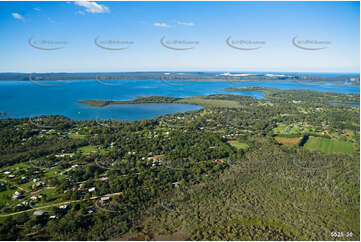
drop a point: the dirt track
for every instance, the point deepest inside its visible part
(58, 204)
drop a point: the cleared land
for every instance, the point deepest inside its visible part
(77, 136)
(288, 141)
(211, 102)
(238, 145)
(329, 146)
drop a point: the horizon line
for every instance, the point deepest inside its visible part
(133, 71)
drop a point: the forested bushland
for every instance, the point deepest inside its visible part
(270, 198)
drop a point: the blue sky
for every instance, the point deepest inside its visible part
(269, 26)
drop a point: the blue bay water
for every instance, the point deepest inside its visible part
(27, 99)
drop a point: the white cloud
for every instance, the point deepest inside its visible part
(186, 24)
(18, 16)
(37, 9)
(93, 7)
(80, 12)
(162, 25)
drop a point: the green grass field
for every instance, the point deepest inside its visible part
(77, 136)
(50, 193)
(329, 146)
(238, 145)
(51, 173)
(5, 195)
(21, 165)
(280, 129)
(27, 186)
(87, 149)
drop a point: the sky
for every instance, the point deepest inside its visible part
(179, 36)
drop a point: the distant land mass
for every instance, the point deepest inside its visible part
(337, 78)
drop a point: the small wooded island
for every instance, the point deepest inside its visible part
(139, 100)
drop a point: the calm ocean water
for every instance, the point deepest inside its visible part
(27, 99)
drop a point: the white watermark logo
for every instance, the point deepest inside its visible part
(311, 45)
(166, 78)
(245, 44)
(108, 80)
(113, 44)
(47, 44)
(38, 80)
(178, 44)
